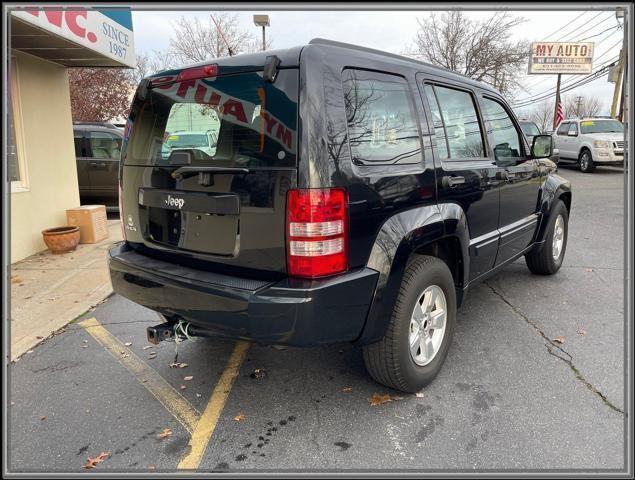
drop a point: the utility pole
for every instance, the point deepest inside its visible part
(262, 21)
(624, 14)
(578, 101)
(618, 84)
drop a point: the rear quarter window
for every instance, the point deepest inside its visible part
(381, 119)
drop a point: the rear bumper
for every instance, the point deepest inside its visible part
(290, 312)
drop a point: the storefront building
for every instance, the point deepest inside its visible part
(40, 148)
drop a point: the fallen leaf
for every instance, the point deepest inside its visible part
(188, 378)
(151, 467)
(258, 373)
(420, 395)
(147, 346)
(378, 399)
(16, 279)
(588, 269)
(125, 355)
(240, 417)
(29, 351)
(183, 387)
(84, 346)
(166, 432)
(559, 340)
(39, 337)
(42, 418)
(92, 462)
(127, 344)
(198, 395)
(347, 389)
(178, 365)
(396, 398)
(581, 331)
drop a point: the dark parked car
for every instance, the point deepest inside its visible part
(353, 196)
(98, 150)
(530, 129)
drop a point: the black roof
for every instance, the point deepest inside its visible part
(290, 57)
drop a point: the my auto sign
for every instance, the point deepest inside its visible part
(108, 32)
(561, 57)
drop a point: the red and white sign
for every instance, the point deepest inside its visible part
(89, 28)
(568, 58)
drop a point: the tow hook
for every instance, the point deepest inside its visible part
(160, 332)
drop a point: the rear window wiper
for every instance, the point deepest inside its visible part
(186, 172)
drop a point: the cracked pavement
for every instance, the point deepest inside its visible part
(502, 401)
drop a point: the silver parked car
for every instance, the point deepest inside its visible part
(590, 142)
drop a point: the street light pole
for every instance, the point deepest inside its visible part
(262, 21)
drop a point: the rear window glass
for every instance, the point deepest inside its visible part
(227, 121)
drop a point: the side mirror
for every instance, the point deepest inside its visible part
(542, 146)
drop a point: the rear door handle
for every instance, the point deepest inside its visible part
(453, 180)
(97, 164)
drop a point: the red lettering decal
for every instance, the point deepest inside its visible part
(32, 11)
(184, 87)
(71, 21)
(232, 107)
(270, 122)
(54, 17)
(201, 91)
(284, 135)
(158, 80)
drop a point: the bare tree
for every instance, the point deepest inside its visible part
(197, 41)
(542, 115)
(151, 63)
(99, 94)
(581, 106)
(481, 50)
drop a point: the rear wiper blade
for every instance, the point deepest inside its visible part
(186, 172)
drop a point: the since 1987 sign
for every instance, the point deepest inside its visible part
(561, 57)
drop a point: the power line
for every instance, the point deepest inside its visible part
(567, 25)
(588, 79)
(573, 34)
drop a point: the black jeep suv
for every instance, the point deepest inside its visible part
(353, 195)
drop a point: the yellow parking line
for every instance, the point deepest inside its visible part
(209, 418)
(172, 400)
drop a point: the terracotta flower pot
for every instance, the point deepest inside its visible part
(61, 239)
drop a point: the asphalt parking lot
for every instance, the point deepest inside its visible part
(508, 397)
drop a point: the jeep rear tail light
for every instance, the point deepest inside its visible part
(317, 232)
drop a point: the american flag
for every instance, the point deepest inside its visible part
(559, 112)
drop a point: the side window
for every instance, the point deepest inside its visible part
(563, 128)
(382, 125)
(460, 120)
(439, 129)
(504, 136)
(104, 145)
(78, 137)
(573, 128)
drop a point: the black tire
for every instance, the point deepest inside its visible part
(389, 361)
(541, 261)
(587, 165)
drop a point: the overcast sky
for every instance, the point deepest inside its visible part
(394, 31)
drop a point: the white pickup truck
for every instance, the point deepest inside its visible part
(590, 142)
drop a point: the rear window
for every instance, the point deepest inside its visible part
(228, 121)
(601, 126)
